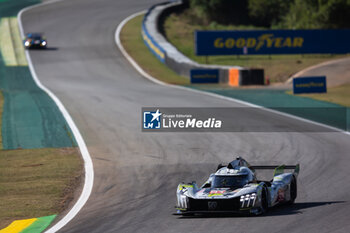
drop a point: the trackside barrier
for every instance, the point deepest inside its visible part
(149, 41)
(244, 77)
(152, 34)
(205, 76)
(233, 77)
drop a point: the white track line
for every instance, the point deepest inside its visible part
(146, 75)
(300, 73)
(88, 165)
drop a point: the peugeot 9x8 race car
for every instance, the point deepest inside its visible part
(234, 188)
(34, 40)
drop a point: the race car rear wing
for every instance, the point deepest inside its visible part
(279, 169)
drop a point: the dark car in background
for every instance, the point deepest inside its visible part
(35, 40)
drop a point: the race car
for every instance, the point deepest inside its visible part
(234, 188)
(34, 40)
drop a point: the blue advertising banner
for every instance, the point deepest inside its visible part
(205, 76)
(309, 85)
(272, 42)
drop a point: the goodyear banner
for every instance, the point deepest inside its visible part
(309, 85)
(204, 76)
(272, 42)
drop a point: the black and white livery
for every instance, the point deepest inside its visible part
(35, 40)
(235, 188)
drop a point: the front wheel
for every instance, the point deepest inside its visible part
(293, 191)
(264, 203)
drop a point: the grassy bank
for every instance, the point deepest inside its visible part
(337, 95)
(37, 182)
(179, 30)
(133, 44)
(33, 182)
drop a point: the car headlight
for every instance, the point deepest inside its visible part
(43, 43)
(183, 201)
(26, 43)
(248, 200)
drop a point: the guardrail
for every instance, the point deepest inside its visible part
(157, 50)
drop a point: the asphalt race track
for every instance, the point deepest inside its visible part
(337, 72)
(136, 174)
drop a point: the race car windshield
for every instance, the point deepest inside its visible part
(34, 36)
(230, 181)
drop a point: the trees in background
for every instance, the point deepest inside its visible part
(267, 13)
(222, 11)
(311, 14)
(289, 14)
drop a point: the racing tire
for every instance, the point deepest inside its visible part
(264, 203)
(293, 191)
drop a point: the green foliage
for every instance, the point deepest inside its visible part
(268, 12)
(312, 14)
(303, 14)
(222, 11)
(339, 14)
(289, 14)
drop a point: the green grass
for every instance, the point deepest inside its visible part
(337, 95)
(179, 30)
(134, 45)
(37, 182)
(33, 182)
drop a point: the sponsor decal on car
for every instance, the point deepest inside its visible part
(216, 193)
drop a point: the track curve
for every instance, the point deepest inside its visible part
(336, 71)
(136, 174)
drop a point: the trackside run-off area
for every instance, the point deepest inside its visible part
(40, 164)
